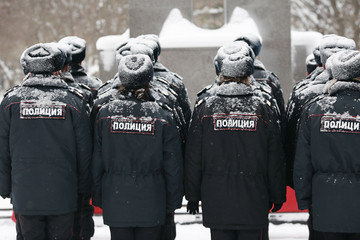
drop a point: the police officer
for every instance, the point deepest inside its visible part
(233, 161)
(45, 148)
(327, 153)
(261, 74)
(137, 161)
(78, 47)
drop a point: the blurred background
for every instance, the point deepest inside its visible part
(24, 23)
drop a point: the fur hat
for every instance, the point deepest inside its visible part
(152, 41)
(42, 58)
(135, 71)
(78, 47)
(331, 44)
(316, 53)
(135, 48)
(252, 40)
(230, 49)
(66, 52)
(237, 65)
(344, 65)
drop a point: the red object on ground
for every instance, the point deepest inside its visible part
(97, 210)
(13, 217)
(291, 204)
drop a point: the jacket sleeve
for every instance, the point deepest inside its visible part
(5, 161)
(84, 150)
(173, 167)
(97, 165)
(303, 170)
(193, 167)
(276, 164)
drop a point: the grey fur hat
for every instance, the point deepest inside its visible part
(332, 43)
(42, 58)
(344, 65)
(66, 52)
(252, 40)
(136, 48)
(231, 49)
(135, 71)
(151, 41)
(237, 65)
(78, 47)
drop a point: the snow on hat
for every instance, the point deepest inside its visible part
(135, 70)
(120, 47)
(66, 52)
(344, 65)
(230, 49)
(332, 43)
(78, 47)
(149, 40)
(252, 40)
(316, 53)
(136, 48)
(42, 58)
(237, 65)
(310, 63)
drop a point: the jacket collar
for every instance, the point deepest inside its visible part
(44, 80)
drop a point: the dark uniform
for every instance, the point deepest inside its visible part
(137, 168)
(326, 162)
(45, 154)
(233, 161)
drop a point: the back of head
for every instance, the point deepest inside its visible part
(344, 65)
(252, 40)
(42, 58)
(332, 43)
(227, 50)
(78, 48)
(135, 71)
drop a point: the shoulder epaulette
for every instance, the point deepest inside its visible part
(274, 75)
(266, 89)
(178, 76)
(11, 89)
(165, 106)
(84, 86)
(205, 89)
(173, 92)
(163, 80)
(201, 101)
(77, 92)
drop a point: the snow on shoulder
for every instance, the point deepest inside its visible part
(178, 32)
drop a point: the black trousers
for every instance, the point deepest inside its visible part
(341, 236)
(54, 227)
(136, 233)
(83, 222)
(225, 234)
(168, 230)
(313, 234)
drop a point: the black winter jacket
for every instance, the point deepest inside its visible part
(137, 167)
(233, 160)
(45, 146)
(327, 163)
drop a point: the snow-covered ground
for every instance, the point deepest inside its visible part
(286, 226)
